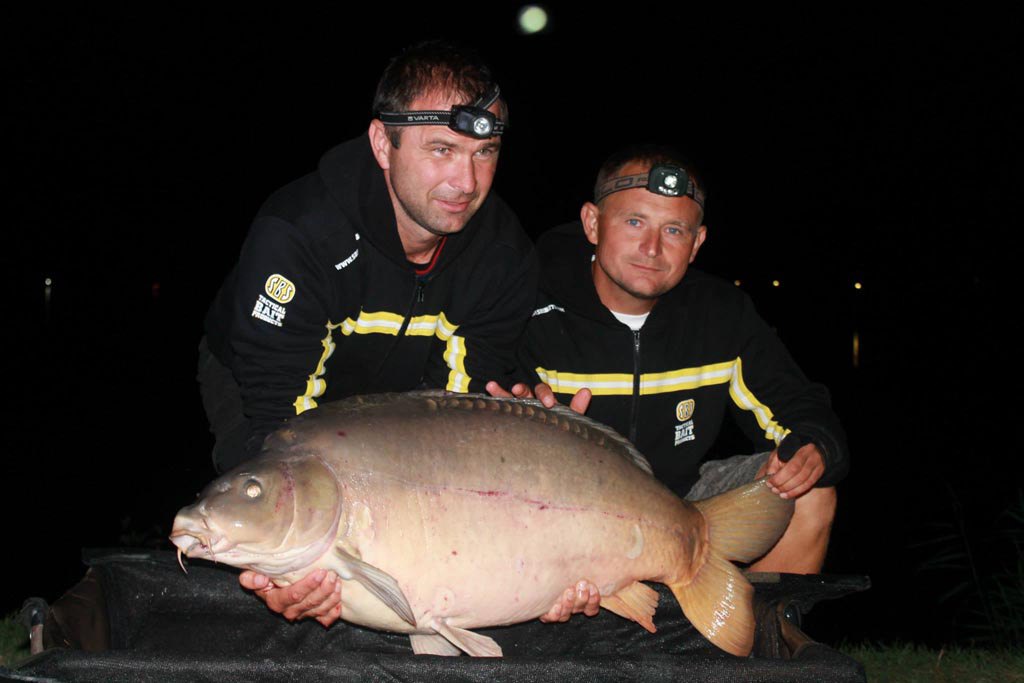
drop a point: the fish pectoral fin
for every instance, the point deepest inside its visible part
(472, 644)
(434, 644)
(637, 602)
(718, 602)
(378, 582)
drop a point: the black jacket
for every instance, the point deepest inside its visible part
(702, 351)
(323, 303)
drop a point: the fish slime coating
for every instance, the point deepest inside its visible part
(445, 513)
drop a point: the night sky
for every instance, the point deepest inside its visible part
(837, 148)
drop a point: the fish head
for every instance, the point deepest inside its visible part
(273, 514)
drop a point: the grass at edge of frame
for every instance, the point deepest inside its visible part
(13, 641)
(910, 663)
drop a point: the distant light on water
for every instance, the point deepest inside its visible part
(856, 349)
(47, 295)
(532, 19)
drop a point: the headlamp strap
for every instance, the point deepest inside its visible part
(469, 119)
(664, 179)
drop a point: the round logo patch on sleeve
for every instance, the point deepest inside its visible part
(279, 288)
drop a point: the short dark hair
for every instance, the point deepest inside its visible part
(440, 66)
(649, 155)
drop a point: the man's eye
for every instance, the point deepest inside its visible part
(443, 151)
(635, 222)
(486, 152)
(673, 231)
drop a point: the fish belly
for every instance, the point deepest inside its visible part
(486, 557)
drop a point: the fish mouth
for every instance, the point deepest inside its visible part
(196, 543)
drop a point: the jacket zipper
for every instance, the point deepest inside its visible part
(417, 297)
(634, 412)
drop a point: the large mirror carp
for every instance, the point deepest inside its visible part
(445, 513)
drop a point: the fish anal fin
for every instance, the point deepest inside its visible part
(744, 524)
(718, 602)
(472, 644)
(381, 584)
(637, 602)
(433, 644)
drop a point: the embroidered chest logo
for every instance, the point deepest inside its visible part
(684, 413)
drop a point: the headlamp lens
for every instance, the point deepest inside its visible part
(482, 127)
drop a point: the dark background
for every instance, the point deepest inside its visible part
(837, 148)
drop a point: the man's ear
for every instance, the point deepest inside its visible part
(589, 214)
(380, 144)
(702, 234)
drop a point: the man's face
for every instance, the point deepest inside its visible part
(644, 243)
(437, 178)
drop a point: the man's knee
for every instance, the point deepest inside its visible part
(816, 509)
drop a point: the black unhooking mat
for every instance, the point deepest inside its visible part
(166, 626)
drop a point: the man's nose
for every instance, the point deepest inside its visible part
(463, 176)
(650, 243)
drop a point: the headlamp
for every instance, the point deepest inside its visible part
(468, 119)
(472, 121)
(667, 180)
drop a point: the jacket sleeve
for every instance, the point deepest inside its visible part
(772, 397)
(530, 350)
(482, 347)
(279, 333)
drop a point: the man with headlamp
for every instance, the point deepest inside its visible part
(661, 352)
(389, 268)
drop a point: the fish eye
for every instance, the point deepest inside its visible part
(253, 488)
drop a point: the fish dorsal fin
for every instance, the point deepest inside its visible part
(560, 417)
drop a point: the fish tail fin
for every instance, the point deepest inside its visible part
(742, 524)
(718, 604)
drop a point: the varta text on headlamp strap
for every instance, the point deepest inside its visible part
(469, 119)
(664, 179)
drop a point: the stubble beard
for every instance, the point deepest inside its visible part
(432, 224)
(628, 289)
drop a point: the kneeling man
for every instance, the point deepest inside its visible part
(666, 351)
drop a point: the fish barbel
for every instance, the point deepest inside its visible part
(444, 513)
